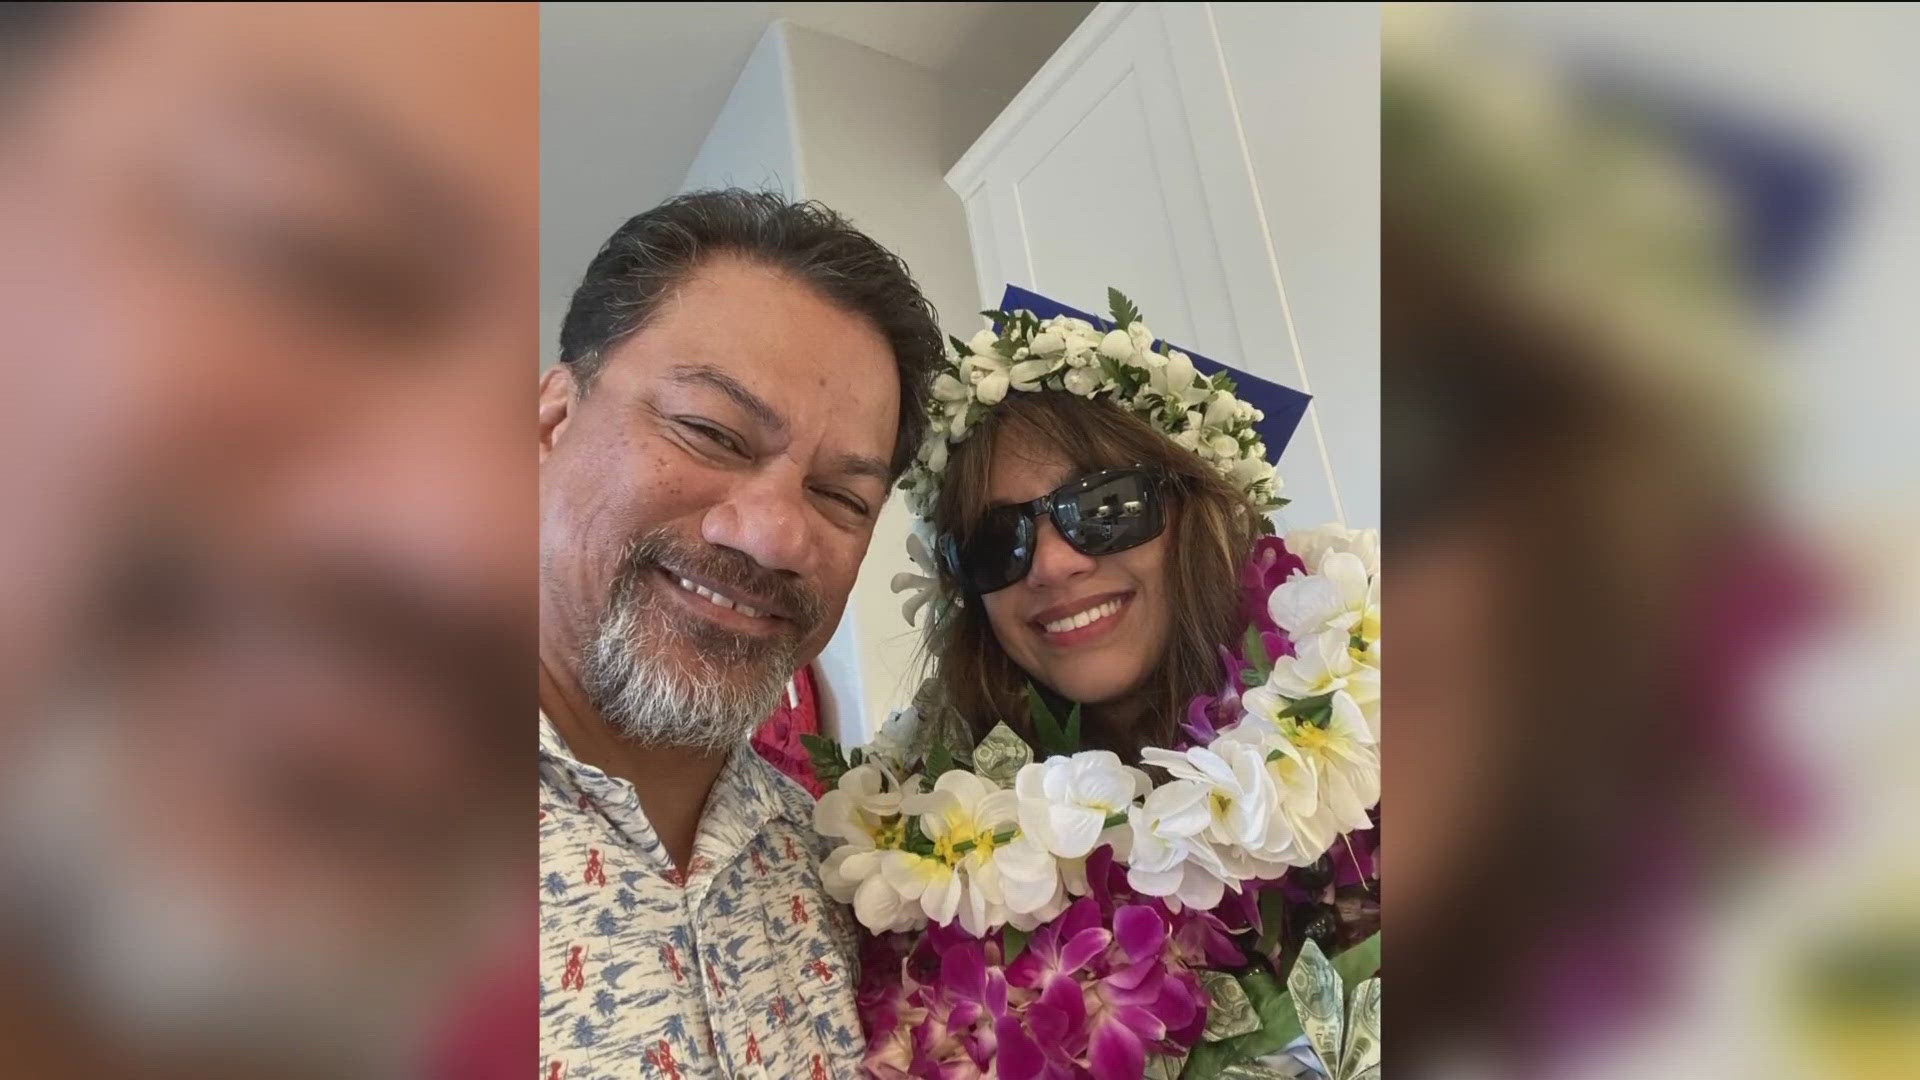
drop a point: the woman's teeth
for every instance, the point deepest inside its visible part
(1085, 618)
(717, 600)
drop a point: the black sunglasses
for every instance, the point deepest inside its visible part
(1101, 514)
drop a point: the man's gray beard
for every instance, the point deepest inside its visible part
(667, 679)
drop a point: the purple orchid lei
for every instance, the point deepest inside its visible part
(1093, 992)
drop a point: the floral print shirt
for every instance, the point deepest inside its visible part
(743, 967)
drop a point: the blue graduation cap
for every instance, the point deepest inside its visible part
(1283, 406)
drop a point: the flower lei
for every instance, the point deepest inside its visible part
(1065, 916)
(1125, 365)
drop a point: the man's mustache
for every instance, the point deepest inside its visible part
(729, 570)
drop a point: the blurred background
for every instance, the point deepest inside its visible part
(1061, 147)
(1650, 513)
(268, 291)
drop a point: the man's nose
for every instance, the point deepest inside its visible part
(1055, 562)
(765, 516)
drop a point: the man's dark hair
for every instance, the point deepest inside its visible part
(647, 258)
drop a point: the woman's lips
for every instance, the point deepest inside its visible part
(1082, 621)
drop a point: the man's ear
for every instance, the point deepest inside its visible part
(558, 395)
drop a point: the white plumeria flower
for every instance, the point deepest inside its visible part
(863, 810)
(1116, 345)
(923, 588)
(1315, 544)
(1171, 856)
(1030, 882)
(1065, 801)
(1326, 663)
(1339, 596)
(1242, 801)
(1321, 664)
(859, 806)
(1328, 777)
(961, 815)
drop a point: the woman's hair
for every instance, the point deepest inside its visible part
(1211, 528)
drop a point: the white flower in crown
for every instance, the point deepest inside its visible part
(991, 375)
(1084, 381)
(952, 398)
(1179, 384)
(1020, 353)
(1141, 337)
(922, 588)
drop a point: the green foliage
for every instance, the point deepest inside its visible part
(1125, 314)
(1255, 648)
(1273, 921)
(1013, 942)
(829, 764)
(939, 761)
(1054, 737)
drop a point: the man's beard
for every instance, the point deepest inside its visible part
(668, 678)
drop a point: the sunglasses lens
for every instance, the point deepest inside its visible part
(999, 553)
(1114, 512)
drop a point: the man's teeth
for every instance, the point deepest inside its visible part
(1075, 622)
(717, 600)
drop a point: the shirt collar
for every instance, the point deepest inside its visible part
(747, 790)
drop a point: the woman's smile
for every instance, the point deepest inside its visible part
(1082, 621)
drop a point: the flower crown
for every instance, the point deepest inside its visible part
(1125, 365)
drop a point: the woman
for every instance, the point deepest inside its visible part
(1126, 623)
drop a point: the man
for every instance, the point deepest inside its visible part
(741, 379)
(267, 283)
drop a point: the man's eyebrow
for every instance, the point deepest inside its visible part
(715, 379)
(862, 465)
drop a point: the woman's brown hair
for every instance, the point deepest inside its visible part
(1211, 529)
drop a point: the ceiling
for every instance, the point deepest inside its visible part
(628, 92)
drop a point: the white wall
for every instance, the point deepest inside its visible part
(1307, 77)
(753, 142)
